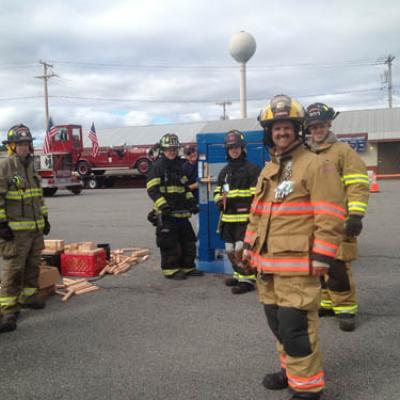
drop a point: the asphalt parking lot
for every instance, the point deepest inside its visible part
(143, 337)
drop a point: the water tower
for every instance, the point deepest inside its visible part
(242, 47)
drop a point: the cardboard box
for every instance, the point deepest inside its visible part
(54, 245)
(48, 278)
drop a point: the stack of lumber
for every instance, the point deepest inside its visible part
(71, 287)
(53, 246)
(86, 248)
(120, 262)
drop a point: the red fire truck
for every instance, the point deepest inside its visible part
(126, 160)
(57, 172)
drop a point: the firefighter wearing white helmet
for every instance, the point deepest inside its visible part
(295, 228)
(23, 221)
(339, 293)
(174, 203)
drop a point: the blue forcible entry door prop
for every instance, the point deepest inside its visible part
(212, 158)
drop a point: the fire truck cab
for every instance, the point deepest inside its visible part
(69, 140)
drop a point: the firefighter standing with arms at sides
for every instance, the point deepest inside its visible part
(174, 203)
(339, 293)
(23, 221)
(296, 226)
(233, 195)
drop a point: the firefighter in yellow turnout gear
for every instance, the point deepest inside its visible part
(338, 289)
(233, 195)
(296, 226)
(23, 220)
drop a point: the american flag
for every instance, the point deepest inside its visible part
(51, 132)
(93, 139)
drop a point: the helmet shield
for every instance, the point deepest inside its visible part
(169, 141)
(234, 138)
(319, 112)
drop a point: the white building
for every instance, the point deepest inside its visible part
(375, 134)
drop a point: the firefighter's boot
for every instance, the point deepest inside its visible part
(34, 304)
(177, 276)
(326, 312)
(231, 282)
(8, 323)
(243, 287)
(276, 381)
(347, 322)
(195, 272)
(306, 396)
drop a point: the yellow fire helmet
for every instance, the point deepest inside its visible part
(281, 108)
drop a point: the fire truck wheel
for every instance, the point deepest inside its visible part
(143, 166)
(92, 183)
(75, 189)
(83, 168)
(49, 191)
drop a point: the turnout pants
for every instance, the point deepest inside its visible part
(177, 242)
(291, 306)
(20, 259)
(338, 289)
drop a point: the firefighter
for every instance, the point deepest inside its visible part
(339, 293)
(23, 221)
(233, 195)
(295, 228)
(174, 203)
(190, 169)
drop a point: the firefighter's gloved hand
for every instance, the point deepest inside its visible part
(152, 217)
(5, 232)
(354, 225)
(166, 210)
(319, 268)
(220, 205)
(47, 227)
(194, 209)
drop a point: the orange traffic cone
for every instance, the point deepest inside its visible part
(374, 186)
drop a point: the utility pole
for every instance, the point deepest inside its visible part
(224, 104)
(45, 78)
(388, 61)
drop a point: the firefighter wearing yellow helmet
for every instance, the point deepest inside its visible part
(339, 293)
(295, 228)
(23, 221)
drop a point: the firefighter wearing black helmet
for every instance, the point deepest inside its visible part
(23, 221)
(295, 228)
(174, 203)
(339, 293)
(233, 195)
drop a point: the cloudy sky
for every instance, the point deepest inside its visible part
(121, 63)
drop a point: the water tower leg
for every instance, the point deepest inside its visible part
(243, 97)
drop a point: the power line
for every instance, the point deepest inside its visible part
(359, 62)
(183, 100)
